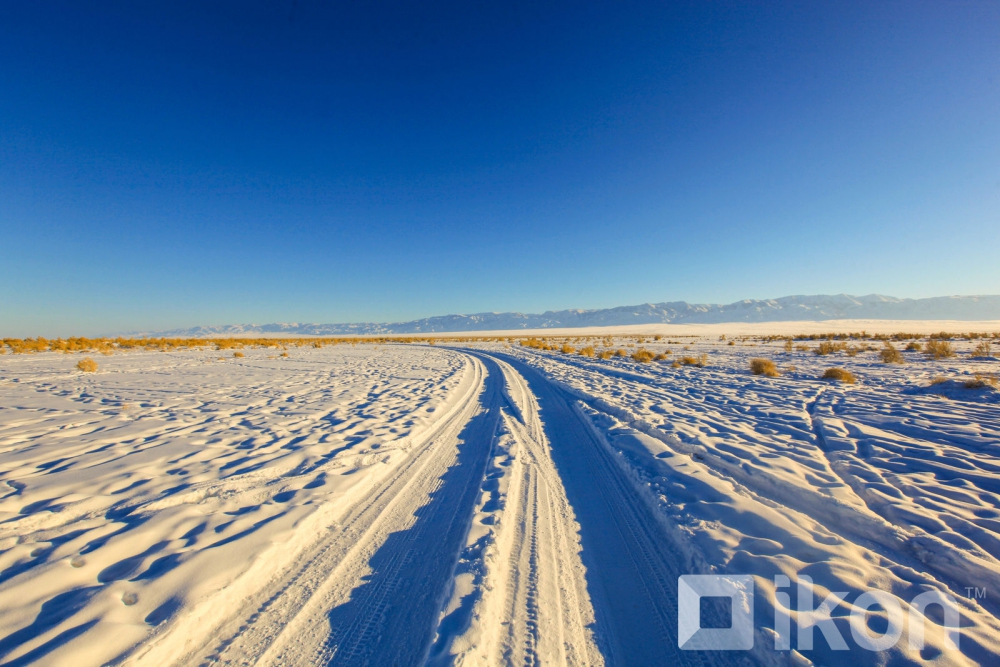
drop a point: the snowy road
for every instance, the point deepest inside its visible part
(632, 566)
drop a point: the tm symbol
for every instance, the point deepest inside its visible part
(975, 593)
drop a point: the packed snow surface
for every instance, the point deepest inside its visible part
(493, 504)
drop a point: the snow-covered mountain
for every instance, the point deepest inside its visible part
(785, 309)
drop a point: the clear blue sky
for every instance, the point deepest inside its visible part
(168, 164)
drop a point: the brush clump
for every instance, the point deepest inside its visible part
(890, 355)
(87, 365)
(643, 356)
(939, 349)
(839, 374)
(764, 367)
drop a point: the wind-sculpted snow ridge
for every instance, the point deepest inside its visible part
(878, 485)
(785, 309)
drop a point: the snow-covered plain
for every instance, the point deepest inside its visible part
(485, 504)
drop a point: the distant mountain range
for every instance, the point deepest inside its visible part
(785, 309)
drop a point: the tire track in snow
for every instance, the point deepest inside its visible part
(632, 566)
(391, 619)
(528, 604)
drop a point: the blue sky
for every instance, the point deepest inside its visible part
(171, 164)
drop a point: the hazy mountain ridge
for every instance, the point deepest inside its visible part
(785, 309)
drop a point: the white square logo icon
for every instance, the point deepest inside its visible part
(691, 588)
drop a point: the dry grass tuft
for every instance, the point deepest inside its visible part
(938, 379)
(620, 352)
(914, 346)
(839, 374)
(586, 351)
(982, 350)
(239, 355)
(605, 354)
(567, 349)
(643, 356)
(764, 367)
(700, 362)
(890, 355)
(87, 365)
(283, 354)
(829, 347)
(662, 356)
(939, 349)
(980, 382)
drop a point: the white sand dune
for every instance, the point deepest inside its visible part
(485, 505)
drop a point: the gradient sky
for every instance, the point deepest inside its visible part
(172, 164)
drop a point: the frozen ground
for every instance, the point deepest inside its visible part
(485, 505)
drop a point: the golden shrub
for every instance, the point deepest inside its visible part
(982, 350)
(643, 356)
(764, 367)
(890, 355)
(838, 374)
(238, 355)
(829, 347)
(87, 365)
(939, 349)
(980, 382)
